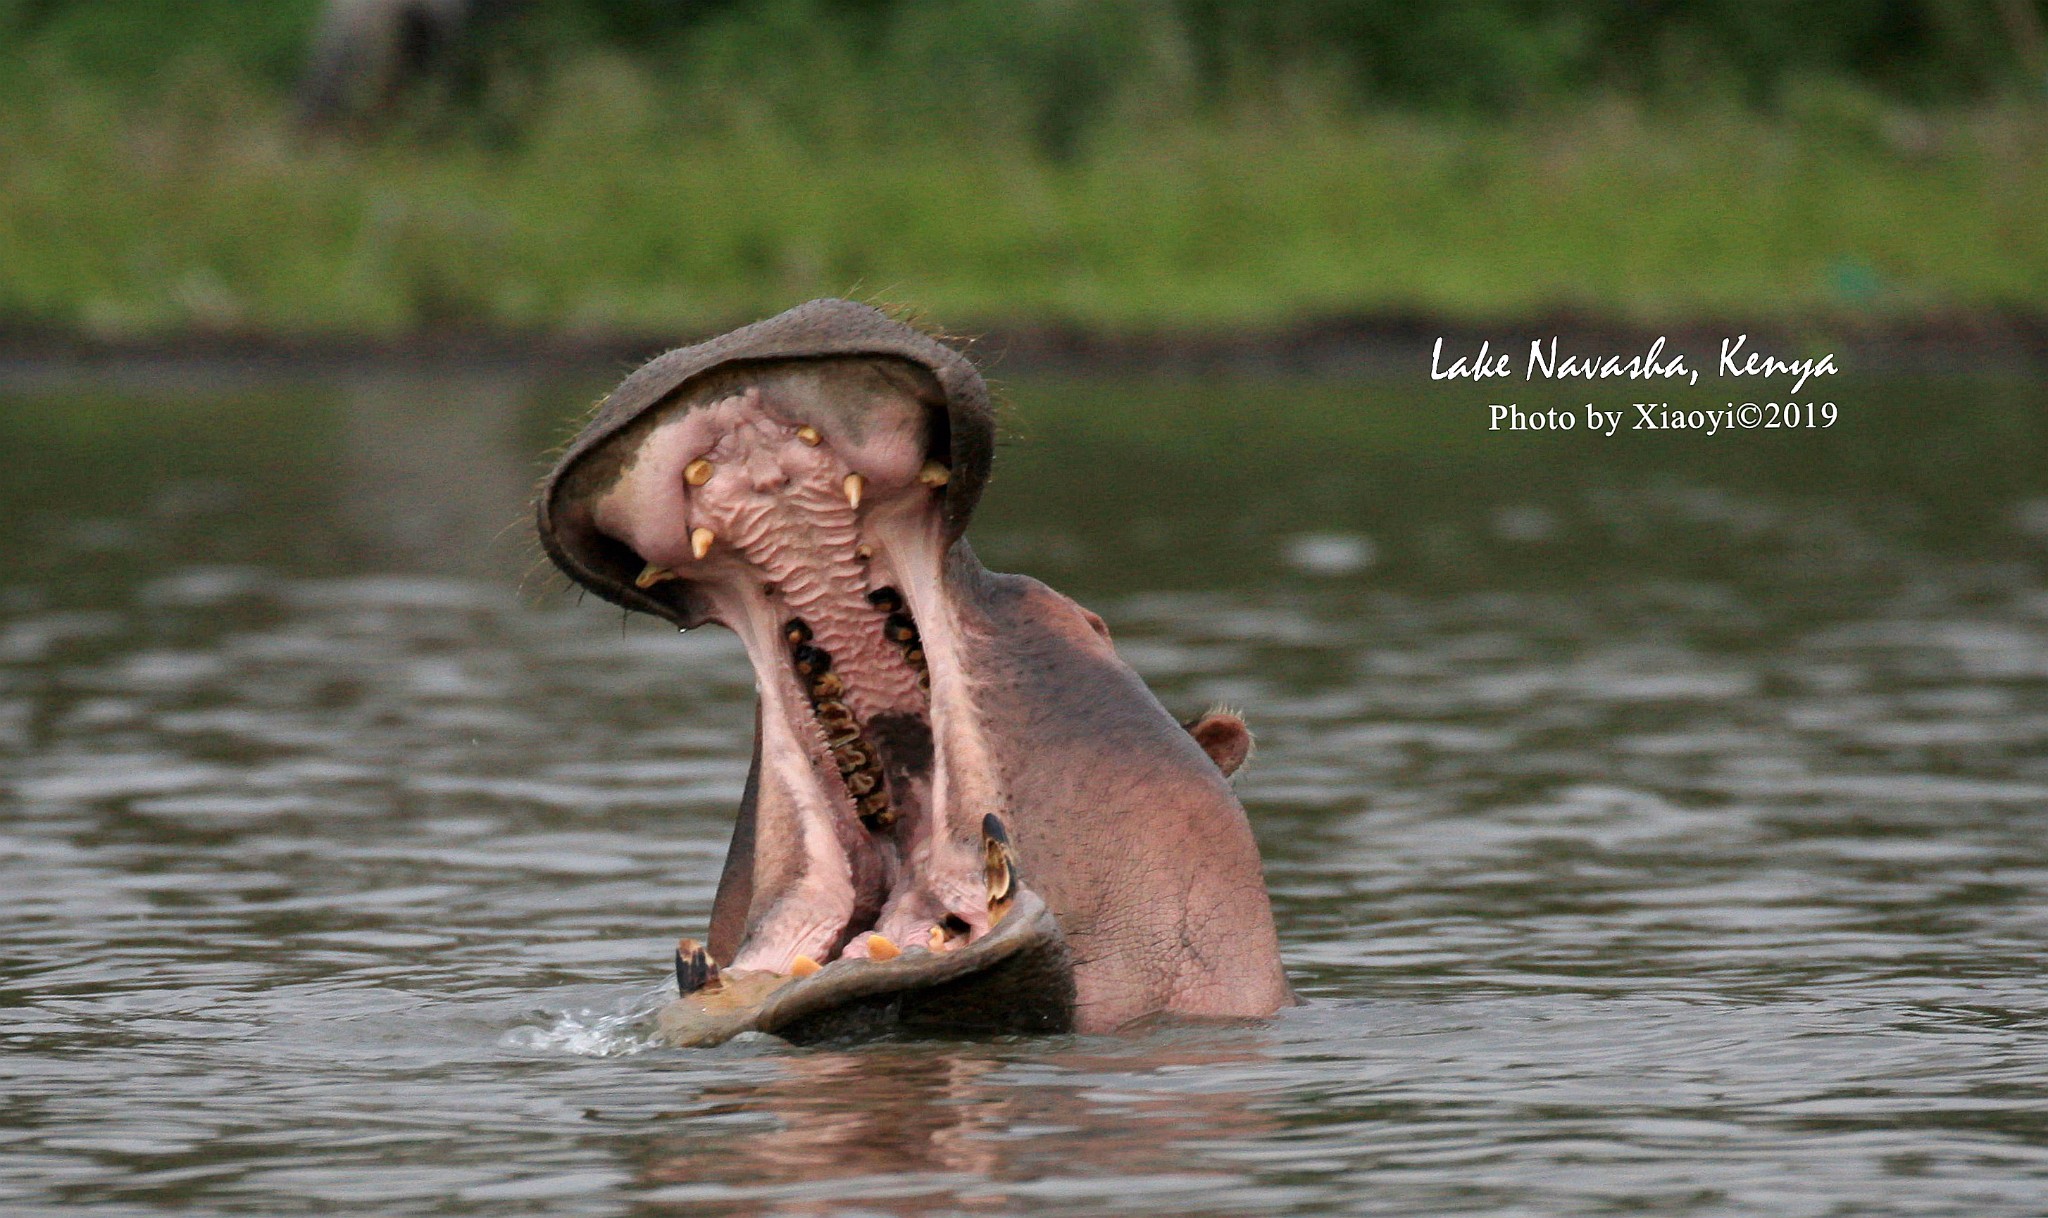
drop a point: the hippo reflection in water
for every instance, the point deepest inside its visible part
(965, 812)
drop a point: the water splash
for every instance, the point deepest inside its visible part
(625, 1029)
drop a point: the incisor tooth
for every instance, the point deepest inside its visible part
(879, 948)
(652, 575)
(809, 435)
(700, 542)
(934, 474)
(803, 966)
(936, 940)
(854, 485)
(697, 472)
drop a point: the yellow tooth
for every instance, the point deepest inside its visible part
(697, 472)
(809, 435)
(934, 474)
(653, 575)
(854, 485)
(879, 948)
(700, 542)
(864, 552)
(803, 966)
(936, 940)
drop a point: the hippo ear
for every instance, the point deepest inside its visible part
(1224, 737)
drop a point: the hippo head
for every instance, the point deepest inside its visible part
(964, 810)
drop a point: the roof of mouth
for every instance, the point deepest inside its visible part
(817, 329)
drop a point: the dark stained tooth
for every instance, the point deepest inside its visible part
(924, 681)
(853, 755)
(836, 717)
(900, 629)
(859, 782)
(798, 632)
(695, 968)
(810, 661)
(888, 600)
(827, 686)
(875, 811)
(915, 656)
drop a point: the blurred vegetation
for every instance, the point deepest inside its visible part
(648, 165)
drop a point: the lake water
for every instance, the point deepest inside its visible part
(1654, 825)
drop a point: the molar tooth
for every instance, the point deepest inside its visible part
(934, 474)
(888, 600)
(880, 948)
(864, 552)
(900, 629)
(811, 661)
(875, 811)
(697, 472)
(700, 542)
(853, 487)
(803, 966)
(827, 687)
(652, 575)
(797, 631)
(809, 435)
(858, 783)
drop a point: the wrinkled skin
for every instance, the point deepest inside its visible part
(964, 809)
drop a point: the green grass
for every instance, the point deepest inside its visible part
(626, 206)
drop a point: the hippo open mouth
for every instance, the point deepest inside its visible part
(805, 482)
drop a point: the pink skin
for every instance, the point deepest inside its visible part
(1123, 822)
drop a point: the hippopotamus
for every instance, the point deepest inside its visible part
(965, 811)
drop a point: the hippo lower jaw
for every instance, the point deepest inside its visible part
(1016, 978)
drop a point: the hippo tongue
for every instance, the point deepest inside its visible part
(800, 503)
